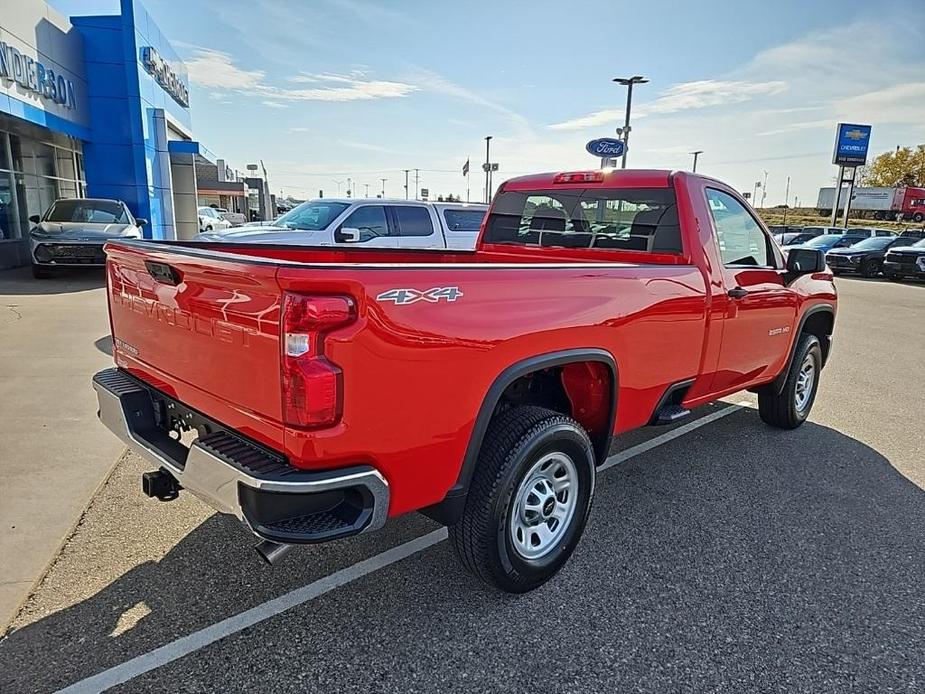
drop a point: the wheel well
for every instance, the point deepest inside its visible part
(821, 324)
(581, 390)
(580, 383)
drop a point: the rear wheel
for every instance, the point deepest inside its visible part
(870, 268)
(918, 217)
(528, 500)
(789, 408)
(40, 272)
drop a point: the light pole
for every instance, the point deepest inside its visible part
(628, 82)
(696, 154)
(349, 187)
(755, 194)
(487, 168)
(339, 185)
(383, 185)
(764, 188)
(406, 183)
(786, 200)
(367, 189)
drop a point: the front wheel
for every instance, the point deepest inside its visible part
(869, 268)
(528, 500)
(789, 408)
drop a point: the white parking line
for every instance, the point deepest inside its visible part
(185, 645)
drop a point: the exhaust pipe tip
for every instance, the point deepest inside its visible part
(272, 552)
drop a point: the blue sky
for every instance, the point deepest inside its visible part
(327, 89)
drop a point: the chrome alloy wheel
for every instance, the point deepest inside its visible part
(544, 505)
(805, 380)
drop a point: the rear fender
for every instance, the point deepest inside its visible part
(450, 509)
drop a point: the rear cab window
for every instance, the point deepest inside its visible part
(628, 219)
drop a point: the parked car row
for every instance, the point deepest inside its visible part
(72, 232)
(860, 250)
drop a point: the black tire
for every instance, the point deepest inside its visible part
(892, 277)
(42, 273)
(781, 410)
(918, 217)
(869, 268)
(515, 442)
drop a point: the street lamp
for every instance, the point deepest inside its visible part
(628, 82)
(696, 154)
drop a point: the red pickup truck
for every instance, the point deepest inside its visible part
(313, 393)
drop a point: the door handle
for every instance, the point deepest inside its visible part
(737, 293)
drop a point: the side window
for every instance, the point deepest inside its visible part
(370, 220)
(741, 240)
(413, 220)
(463, 220)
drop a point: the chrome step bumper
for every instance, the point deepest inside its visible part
(277, 501)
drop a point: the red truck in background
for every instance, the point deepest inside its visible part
(313, 393)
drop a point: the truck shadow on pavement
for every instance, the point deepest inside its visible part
(20, 282)
(736, 557)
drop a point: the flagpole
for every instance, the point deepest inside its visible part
(468, 159)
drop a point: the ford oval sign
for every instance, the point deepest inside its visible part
(606, 147)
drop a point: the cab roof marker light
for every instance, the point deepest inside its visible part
(579, 177)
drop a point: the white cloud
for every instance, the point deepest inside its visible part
(217, 70)
(682, 97)
(274, 104)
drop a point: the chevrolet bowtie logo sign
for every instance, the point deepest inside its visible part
(851, 144)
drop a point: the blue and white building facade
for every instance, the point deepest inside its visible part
(94, 106)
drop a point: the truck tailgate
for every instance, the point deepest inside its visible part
(204, 331)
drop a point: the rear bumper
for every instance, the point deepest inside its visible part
(233, 475)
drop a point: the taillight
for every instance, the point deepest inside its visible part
(312, 385)
(579, 177)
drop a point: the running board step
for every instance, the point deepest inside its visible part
(669, 414)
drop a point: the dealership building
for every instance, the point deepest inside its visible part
(97, 106)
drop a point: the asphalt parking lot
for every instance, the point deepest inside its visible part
(724, 556)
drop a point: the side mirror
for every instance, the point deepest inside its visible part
(805, 261)
(347, 235)
(35, 219)
(141, 221)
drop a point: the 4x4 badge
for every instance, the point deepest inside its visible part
(402, 297)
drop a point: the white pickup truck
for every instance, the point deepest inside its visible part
(371, 223)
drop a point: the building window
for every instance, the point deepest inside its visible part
(36, 168)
